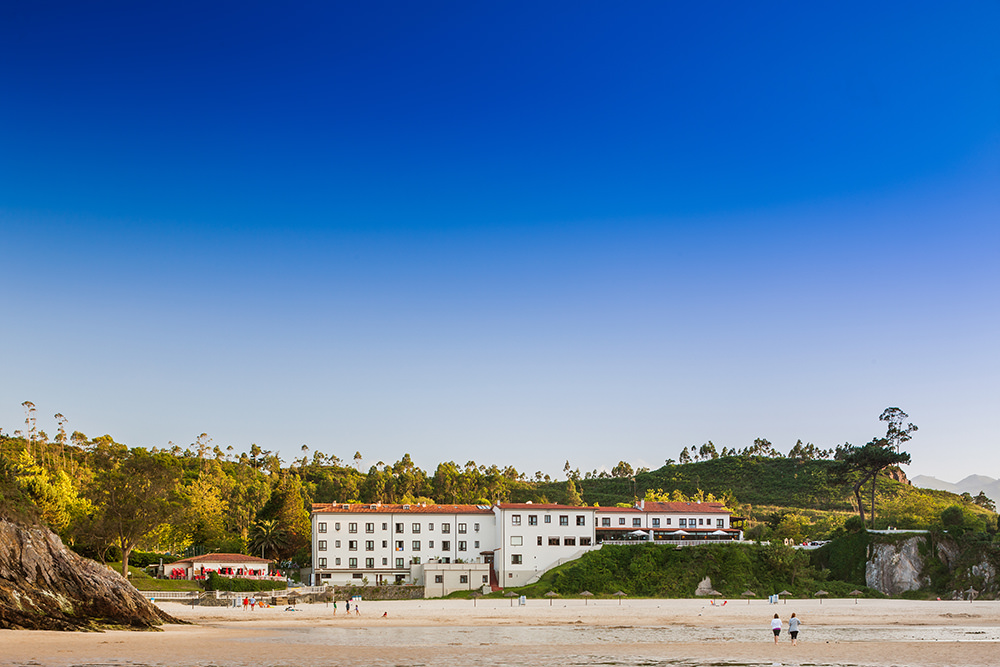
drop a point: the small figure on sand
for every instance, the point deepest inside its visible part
(776, 627)
(357, 612)
(347, 605)
(246, 603)
(334, 607)
(253, 603)
(385, 614)
(793, 629)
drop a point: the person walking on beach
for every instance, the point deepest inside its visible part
(347, 604)
(793, 629)
(246, 603)
(334, 607)
(253, 603)
(776, 627)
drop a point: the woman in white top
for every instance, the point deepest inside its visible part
(776, 627)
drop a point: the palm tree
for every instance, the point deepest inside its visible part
(267, 535)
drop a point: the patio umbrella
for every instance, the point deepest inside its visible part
(719, 532)
(855, 593)
(550, 595)
(783, 594)
(620, 595)
(585, 595)
(475, 597)
(748, 595)
(511, 595)
(680, 532)
(820, 595)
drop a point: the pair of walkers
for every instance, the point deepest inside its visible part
(793, 628)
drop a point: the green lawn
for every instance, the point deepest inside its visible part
(144, 582)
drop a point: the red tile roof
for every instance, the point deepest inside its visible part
(686, 508)
(542, 506)
(221, 558)
(379, 508)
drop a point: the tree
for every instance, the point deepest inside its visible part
(572, 495)
(134, 492)
(623, 469)
(896, 434)
(859, 465)
(985, 502)
(268, 536)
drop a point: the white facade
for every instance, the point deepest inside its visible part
(517, 543)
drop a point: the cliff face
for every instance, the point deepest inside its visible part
(895, 568)
(45, 586)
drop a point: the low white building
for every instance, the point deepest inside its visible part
(534, 538)
(667, 521)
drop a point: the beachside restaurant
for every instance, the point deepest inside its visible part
(198, 568)
(678, 536)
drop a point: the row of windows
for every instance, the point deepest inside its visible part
(400, 527)
(352, 545)
(517, 541)
(637, 523)
(462, 578)
(515, 519)
(369, 562)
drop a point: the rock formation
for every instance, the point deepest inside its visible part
(45, 586)
(896, 567)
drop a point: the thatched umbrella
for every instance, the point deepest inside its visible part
(475, 597)
(820, 594)
(855, 593)
(585, 595)
(620, 595)
(972, 593)
(511, 595)
(748, 595)
(550, 595)
(783, 594)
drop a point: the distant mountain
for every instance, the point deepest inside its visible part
(972, 484)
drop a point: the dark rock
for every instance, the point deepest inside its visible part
(45, 586)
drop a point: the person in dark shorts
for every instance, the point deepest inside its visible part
(776, 627)
(793, 629)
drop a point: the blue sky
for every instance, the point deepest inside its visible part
(508, 233)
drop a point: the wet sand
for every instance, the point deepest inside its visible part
(492, 632)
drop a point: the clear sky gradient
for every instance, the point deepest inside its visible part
(519, 233)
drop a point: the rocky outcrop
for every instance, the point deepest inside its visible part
(895, 568)
(45, 586)
(704, 587)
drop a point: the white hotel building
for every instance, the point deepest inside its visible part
(451, 547)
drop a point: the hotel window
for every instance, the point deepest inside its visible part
(569, 541)
(385, 526)
(322, 562)
(321, 527)
(445, 527)
(357, 575)
(584, 541)
(553, 541)
(336, 544)
(399, 562)
(539, 540)
(532, 519)
(352, 562)
(516, 540)
(430, 544)
(415, 560)
(656, 523)
(682, 523)
(438, 578)
(369, 527)
(369, 563)
(621, 521)
(416, 545)
(486, 578)
(399, 528)
(446, 545)
(463, 578)
(516, 559)
(416, 528)
(430, 526)
(636, 523)
(475, 527)
(461, 545)
(563, 520)
(369, 545)
(462, 528)
(515, 519)
(385, 544)
(336, 561)
(336, 526)
(692, 523)
(721, 523)
(352, 527)
(475, 545)
(352, 545)
(668, 521)
(548, 518)
(385, 561)
(606, 522)
(322, 545)
(701, 522)
(581, 520)
(399, 545)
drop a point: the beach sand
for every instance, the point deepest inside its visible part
(492, 632)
